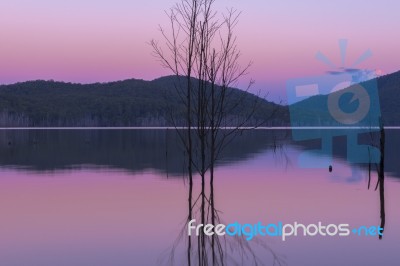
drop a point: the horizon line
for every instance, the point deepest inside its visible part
(193, 128)
(121, 80)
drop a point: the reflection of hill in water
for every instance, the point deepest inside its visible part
(131, 150)
(140, 150)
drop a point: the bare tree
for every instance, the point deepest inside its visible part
(200, 48)
(380, 170)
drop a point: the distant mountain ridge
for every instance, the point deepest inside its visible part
(135, 102)
(309, 110)
(126, 103)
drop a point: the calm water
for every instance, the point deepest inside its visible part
(117, 197)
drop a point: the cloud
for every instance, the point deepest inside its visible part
(358, 75)
(334, 72)
(351, 70)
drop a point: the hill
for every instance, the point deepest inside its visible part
(134, 102)
(313, 111)
(123, 103)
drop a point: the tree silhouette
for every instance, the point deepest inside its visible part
(200, 49)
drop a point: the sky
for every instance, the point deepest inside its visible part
(106, 40)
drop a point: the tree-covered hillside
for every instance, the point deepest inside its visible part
(122, 103)
(152, 103)
(313, 111)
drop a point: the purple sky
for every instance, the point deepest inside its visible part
(89, 40)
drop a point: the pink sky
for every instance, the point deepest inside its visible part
(88, 41)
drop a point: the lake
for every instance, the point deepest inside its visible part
(120, 197)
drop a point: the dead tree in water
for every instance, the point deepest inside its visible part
(201, 51)
(381, 178)
(380, 169)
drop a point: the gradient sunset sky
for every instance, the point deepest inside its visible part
(106, 40)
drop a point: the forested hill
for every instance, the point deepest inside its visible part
(151, 103)
(389, 99)
(123, 103)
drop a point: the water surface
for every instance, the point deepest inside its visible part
(117, 197)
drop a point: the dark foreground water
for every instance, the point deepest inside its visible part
(117, 197)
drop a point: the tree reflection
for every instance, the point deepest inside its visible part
(202, 205)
